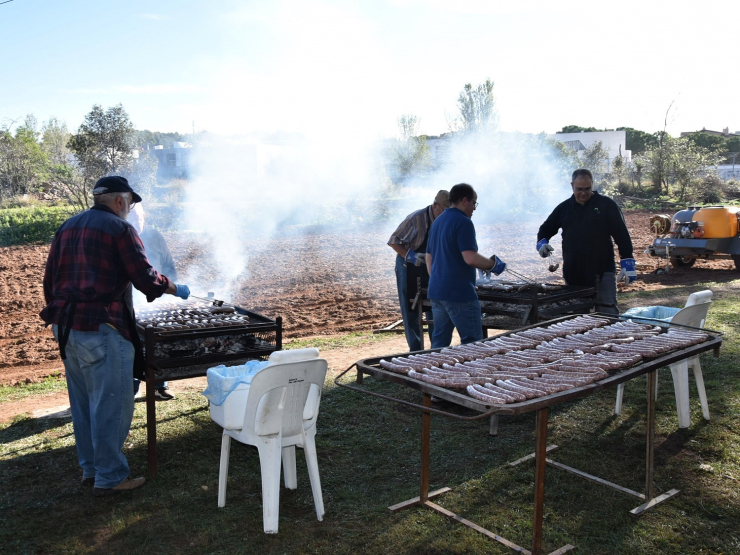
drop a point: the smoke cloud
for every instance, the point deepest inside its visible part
(247, 190)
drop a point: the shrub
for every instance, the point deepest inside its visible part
(35, 224)
(709, 190)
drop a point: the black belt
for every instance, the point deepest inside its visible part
(71, 306)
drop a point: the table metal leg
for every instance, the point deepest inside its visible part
(424, 493)
(151, 424)
(651, 501)
(540, 451)
(420, 312)
(426, 424)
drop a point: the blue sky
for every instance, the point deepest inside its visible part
(353, 67)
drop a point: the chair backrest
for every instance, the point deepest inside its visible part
(278, 394)
(700, 297)
(293, 355)
(694, 315)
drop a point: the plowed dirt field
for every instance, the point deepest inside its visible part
(321, 283)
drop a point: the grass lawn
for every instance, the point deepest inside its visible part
(369, 459)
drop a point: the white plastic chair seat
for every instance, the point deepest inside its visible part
(280, 412)
(693, 314)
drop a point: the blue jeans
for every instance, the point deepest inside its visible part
(410, 317)
(465, 316)
(99, 370)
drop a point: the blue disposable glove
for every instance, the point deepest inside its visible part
(498, 265)
(183, 291)
(628, 272)
(415, 258)
(544, 248)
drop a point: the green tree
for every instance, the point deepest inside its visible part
(595, 158)
(64, 180)
(678, 166)
(565, 158)
(637, 170)
(710, 142)
(144, 138)
(689, 164)
(22, 160)
(637, 141)
(619, 170)
(577, 129)
(477, 109)
(411, 153)
(103, 145)
(733, 143)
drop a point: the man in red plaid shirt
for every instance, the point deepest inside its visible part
(94, 259)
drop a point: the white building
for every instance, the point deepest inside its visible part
(615, 142)
(729, 171)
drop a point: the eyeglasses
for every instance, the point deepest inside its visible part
(582, 189)
(131, 202)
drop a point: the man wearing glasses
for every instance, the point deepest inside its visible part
(452, 257)
(589, 222)
(94, 259)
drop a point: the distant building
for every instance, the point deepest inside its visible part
(439, 146)
(729, 171)
(615, 142)
(173, 162)
(724, 133)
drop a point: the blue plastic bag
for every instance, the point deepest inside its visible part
(662, 313)
(222, 380)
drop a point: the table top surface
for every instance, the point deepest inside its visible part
(459, 397)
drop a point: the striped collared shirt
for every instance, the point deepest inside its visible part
(413, 230)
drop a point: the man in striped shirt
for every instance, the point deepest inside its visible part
(409, 242)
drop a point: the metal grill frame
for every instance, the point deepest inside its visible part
(179, 368)
(166, 367)
(530, 297)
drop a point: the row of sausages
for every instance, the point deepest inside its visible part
(542, 361)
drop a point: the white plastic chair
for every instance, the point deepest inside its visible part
(693, 314)
(280, 412)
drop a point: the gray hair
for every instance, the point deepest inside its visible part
(107, 198)
(443, 198)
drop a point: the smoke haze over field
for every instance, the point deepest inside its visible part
(244, 192)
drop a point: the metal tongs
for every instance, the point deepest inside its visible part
(552, 267)
(209, 299)
(522, 276)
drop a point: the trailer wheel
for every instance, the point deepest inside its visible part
(687, 261)
(736, 260)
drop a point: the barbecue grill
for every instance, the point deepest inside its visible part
(526, 303)
(183, 340)
(532, 303)
(649, 365)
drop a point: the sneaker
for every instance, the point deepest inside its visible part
(128, 484)
(88, 482)
(161, 394)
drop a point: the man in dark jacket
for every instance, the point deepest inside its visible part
(589, 222)
(94, 258)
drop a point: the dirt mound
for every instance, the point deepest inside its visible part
(319, 282)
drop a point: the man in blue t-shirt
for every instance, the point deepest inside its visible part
(452, 257)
